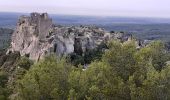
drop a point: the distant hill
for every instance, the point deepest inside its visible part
(68, 19)
(142, 28)
(9, 20)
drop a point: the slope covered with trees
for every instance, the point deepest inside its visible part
(122, 73)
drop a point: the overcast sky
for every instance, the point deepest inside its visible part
(132, 8)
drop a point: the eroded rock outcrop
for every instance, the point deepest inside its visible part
(36, 36)
(28, 34)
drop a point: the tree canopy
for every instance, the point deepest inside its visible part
(122, 73)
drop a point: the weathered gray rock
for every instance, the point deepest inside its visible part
(35, 36)
(28, 34)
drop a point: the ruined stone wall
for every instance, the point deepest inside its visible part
(45, 24)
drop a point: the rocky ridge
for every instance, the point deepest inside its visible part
(36, 36)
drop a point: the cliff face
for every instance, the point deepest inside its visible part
(35, 36)
(29, 32)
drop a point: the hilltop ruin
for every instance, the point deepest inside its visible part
(36, 36)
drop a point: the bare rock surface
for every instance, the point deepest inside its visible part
(36, 36)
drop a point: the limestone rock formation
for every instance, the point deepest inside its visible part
(36, 36)
(29, 32)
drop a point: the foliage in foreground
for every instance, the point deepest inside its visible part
(123, 73)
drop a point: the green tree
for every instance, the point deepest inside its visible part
(121, 58)
(45, 80)
(4, 93)
(123, 73)
(159, 55)
(104, 84)
(96, 83)
(25, 63)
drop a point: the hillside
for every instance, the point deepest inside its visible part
(46, 61)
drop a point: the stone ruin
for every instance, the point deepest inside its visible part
(36, 36)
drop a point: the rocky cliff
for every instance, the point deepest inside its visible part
(36, 36)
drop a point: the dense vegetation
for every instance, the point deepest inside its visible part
(121, 73)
